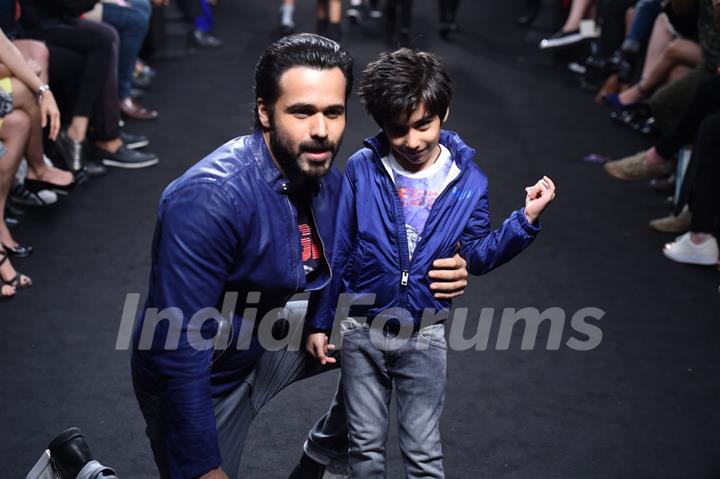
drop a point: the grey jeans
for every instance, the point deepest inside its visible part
(274, 371)
(374, 362)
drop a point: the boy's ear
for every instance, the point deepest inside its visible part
(447, 115)
(263, 113)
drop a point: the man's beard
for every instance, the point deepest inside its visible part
(291, 161)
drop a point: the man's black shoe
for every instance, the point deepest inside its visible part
(307, 469)
(134, 141)
(95, 168)
(205, 40)
(124, 157)
(69, 453)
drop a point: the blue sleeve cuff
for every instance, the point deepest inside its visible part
(529, 228)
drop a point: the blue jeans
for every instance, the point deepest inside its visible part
(132, 25)
(205, 21)
(373, 363)
(646, 11)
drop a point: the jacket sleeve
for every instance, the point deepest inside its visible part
(323, 304)
(485, 250)
(193, 252)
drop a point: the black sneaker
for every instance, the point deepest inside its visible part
(124, 157)
(134, 141)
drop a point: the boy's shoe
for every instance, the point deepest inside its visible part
(307, 469)
(673, 224)
(69, 453)
(683, 250)
(635, 167)
(124, 157)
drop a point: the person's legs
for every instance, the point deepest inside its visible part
(327, 441)
(669, 102)
(646, 12)
(97, 53)
(131, 25)
(659, 39)
(367, 391)
(699, 246)
(613, 26)
(705, 101)
(578, 9)
(26, 101)
(678, 52)
(286, 15)
(705, 196)
(14, 133)
(419, 373)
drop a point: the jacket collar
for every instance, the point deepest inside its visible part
(461, 153)
(267, 167)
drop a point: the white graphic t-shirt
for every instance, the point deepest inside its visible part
(418, 191)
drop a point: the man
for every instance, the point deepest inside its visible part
(256, 217)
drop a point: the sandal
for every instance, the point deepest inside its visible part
(17, 281)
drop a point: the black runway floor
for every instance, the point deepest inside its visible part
(643, 404)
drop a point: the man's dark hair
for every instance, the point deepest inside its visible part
(396, 83)
(300, 50)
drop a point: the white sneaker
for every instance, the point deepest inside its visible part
(683, 250)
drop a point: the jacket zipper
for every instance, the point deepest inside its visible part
(405, 260)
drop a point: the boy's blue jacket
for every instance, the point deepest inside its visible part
(370, 251)
(226, 225)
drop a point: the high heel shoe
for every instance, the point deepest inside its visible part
(39, 185)
(17, 281)
(19, 251)
(613, 101)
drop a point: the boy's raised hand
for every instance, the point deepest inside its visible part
(317, 346)
(538, 197)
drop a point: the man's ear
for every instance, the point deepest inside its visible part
(447, 115)
(263, 113)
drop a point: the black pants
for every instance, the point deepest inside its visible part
(705, 195)
(448, 9)
(613, 25)
(398, 13)
(85, 53)
(705, 101)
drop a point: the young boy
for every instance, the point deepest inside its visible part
(411, 195)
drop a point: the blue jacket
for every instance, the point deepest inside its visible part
(370, 253)
(226, 225)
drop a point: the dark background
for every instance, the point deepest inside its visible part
(644, 404)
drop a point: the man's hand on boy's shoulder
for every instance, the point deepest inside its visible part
(538, 197)
(450, 277)
(317, 345)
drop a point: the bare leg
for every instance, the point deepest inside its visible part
(335, 11)
(659, 40)
(577, 12)
(26, 101)
(78, 128)
(111, 145)
(678, 52)
(14, 135)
